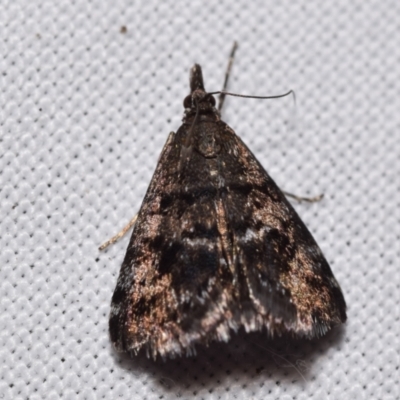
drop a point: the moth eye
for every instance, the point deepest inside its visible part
(212, 101)
(187, 103)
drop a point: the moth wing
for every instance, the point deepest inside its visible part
(288, 279)
(217, 246)
(174, 288)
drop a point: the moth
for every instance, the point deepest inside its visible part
(217, 247)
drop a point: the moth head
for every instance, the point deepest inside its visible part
(198, 97)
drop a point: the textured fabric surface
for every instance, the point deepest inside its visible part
(88, 94)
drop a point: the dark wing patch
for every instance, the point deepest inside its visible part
(289, 279)
(174, 287)
(216, 247)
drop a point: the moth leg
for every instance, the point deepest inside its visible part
(308, 199)
(119, 234)
(227, 73)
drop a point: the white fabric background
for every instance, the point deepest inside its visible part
(84, 112)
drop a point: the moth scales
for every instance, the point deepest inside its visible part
(216, 247)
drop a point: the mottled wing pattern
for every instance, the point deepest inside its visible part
(288, 280)
(173, 287)
(216, 247)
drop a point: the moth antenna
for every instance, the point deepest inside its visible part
(290, 92)
(222, 94)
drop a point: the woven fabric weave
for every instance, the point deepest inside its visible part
(88, 94)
